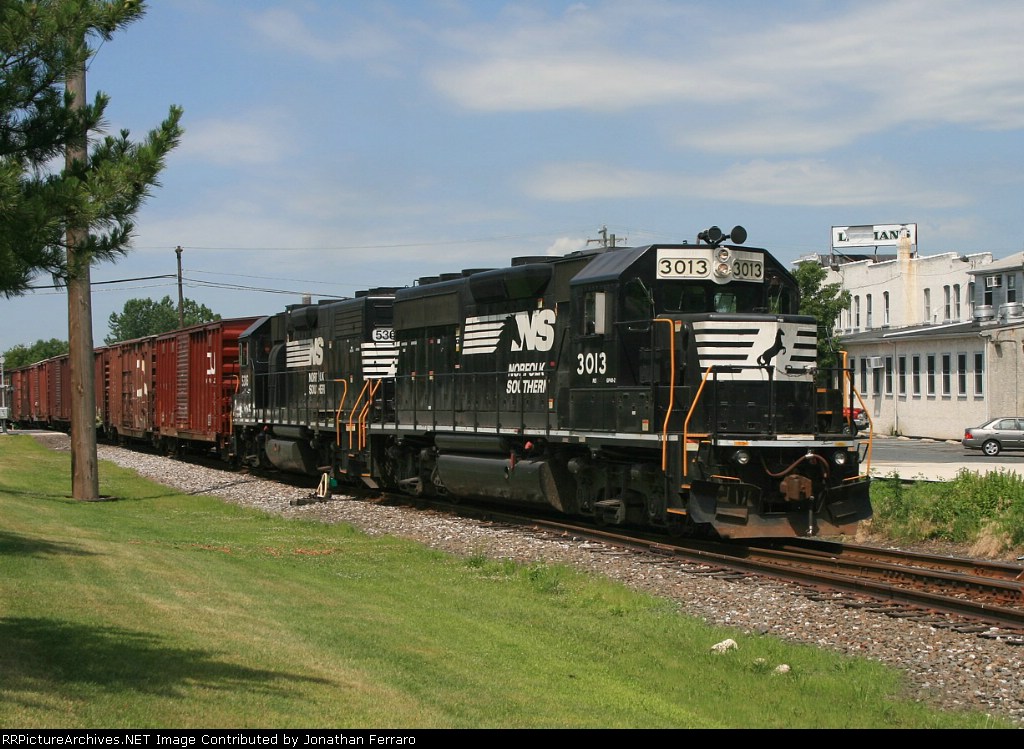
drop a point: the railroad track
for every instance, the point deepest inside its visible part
(967, 595)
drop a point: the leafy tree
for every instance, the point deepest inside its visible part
(142, 317)
(824, 302)
(42, 42)
(20, 355)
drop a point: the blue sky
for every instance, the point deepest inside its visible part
(333, 146)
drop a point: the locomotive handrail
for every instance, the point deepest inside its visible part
(863, 405)
(689, 415)
(337, 413)
(352, 413)
(671, 391)
(366, 409)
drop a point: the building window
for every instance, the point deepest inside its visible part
(927, 306)
(970, 300)
(863, 375)
(931, 374)
(1011, 288)
(888, 375)
(856, 312)
(979, 373)
(915, 377)
(947, 374)
(901, 375)
(947, 303)
(956, 301)
(867, 304)
(876, 381)
(885, 308)
(961, 374)
(991, 284)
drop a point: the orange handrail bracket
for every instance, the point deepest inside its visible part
(871, 424)
(352, 413)
(689, 415)
(671, 389)
(363, 413)
(337, 413)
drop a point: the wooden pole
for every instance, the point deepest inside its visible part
(84, 463)
(181, 297)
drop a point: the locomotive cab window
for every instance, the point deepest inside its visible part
(678, 297)
(594, 307)
(638, 304)
(725, 301)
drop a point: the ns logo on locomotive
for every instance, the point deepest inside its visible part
(669, 386)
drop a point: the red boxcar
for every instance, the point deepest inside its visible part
(196, 376)
(58, 383)
(127, 371)
(21, 396)
(42, 393)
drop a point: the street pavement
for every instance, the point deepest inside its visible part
(941, 467)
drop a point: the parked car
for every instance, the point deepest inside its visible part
(996, 435)
(859, 418)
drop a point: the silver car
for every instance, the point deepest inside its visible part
(996, 435)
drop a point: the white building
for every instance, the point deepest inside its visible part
(936, 343)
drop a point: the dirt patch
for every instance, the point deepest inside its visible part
(53, 440)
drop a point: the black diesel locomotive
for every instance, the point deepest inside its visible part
(670, 386)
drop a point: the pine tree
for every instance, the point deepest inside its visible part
(62, 221)
(41, 44)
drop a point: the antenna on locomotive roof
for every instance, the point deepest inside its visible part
(606, 240)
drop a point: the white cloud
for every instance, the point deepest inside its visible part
(565, 245)
(338, 39)
(804, 182)
(800, 87)
(252, 140)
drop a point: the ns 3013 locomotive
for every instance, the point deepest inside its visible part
(668, 386)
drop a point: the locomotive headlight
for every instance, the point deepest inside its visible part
(723, 254)
(722, 270)
(741, 457)
(839, 457)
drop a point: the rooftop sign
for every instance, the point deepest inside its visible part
(872, 235)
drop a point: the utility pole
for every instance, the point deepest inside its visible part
(606, 240)
(85, 482)
(181, 298)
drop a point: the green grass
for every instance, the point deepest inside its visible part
(982, 509)
(163, 610)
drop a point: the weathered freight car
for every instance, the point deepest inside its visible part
(23, 401)
(125, 387)
(196, 378)
(672, 386)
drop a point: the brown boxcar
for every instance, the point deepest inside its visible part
(42, 392)
(196, 377)
(58, 384)
(128, 372)
(21, 403)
